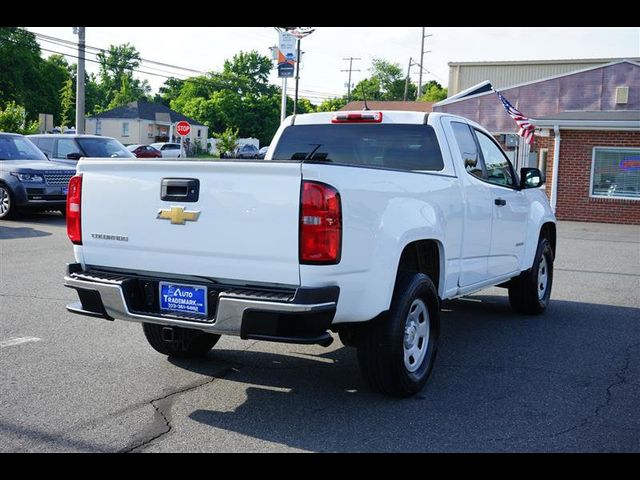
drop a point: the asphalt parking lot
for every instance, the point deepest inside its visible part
(567, 381)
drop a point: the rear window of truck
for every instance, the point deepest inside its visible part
(397, 146)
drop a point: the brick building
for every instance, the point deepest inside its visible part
(589, 119)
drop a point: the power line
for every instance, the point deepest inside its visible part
(63, 45)
(211, 82)
(74, 44)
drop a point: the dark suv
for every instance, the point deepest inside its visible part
(66, 148)
(28, 181)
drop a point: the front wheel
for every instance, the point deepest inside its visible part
(529, 292)
(179, 342)
(396, 352)
(7, 205)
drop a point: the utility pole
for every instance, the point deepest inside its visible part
(295, 99)
(80, 31)
(421, 64)
(406, 82)
(351, 59)
(283, 104)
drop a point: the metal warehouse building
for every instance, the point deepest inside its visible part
(587, 128)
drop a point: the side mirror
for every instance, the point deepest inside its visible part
(531, 178)
(73, 156)
(470, 162)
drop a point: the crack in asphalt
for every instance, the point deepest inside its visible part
(161, 423)
(621, 379)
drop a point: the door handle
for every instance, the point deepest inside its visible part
(180, 189)
(501, 202)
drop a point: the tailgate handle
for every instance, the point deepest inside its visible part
(180, 189)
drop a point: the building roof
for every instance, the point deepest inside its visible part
(599, 118)
(469, 92)
(544, 62)
(146, 111)
(390, 105)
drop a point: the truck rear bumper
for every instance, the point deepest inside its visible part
(301, 317)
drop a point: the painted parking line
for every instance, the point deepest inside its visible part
(17, 341)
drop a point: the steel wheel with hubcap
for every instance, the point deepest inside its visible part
(542, 278)
(6, 203)
(530, 291)
(416, 335)
(396, 352)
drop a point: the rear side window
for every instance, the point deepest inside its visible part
(65, 147)
(468, 149)
(397, 146)
(46, 145)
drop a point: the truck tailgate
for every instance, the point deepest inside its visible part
(247, 229)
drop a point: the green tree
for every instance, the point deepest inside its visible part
(14, 119)
(169, 91)
(227, 142)
(117, 82)
(305, 106)
(387, 82)
(68, 103)
(93, 94)
(239, 97)
(332, 104)
(21, 73)
(433, 92)
(55, 73)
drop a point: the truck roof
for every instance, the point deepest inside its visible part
(388, 116)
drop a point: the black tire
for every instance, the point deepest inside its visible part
(524, 290)
(347, 336)
(381, 342)
(7, 203)
(187, 343)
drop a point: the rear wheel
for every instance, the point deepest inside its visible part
(529, 292)
(7, 205)
(396, 352)
(179, 342)
(348, 336)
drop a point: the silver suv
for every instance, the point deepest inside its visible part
(66, 148)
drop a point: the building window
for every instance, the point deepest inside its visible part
(615, 172)
(198, 133)
(98, 127)
(542, 160)
(125, 129)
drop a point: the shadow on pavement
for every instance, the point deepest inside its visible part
(501, 382)
(34, 439)
(7, 232)
(19, 227)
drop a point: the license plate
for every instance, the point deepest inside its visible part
(178, 298)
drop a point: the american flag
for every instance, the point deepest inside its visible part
(526, 129)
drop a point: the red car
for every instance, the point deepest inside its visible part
(144, 151)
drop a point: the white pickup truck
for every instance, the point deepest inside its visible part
(359, 223)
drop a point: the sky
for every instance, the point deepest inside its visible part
(206, 48)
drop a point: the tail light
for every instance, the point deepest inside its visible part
(359, 117)
(320, 224)
(74, 197)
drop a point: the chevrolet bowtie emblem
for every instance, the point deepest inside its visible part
(178, 215)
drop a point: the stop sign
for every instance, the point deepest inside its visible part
(183, 128)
